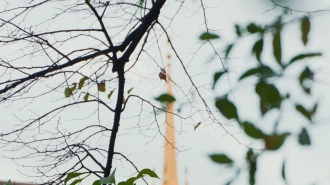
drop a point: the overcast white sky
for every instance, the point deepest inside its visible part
(305, 165)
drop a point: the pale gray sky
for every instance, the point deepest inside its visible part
(305, 165)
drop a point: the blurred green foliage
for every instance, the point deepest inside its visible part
(270, 96)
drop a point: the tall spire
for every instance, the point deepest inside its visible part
(170, 172)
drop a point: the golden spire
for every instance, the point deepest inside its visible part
(170, 173)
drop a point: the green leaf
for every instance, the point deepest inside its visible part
(124, 183)
(305, 55)
(304, 137)
(76, 181)
(81, 82)
(112, 177)
(8, 183)
(306, 74)
(129, 91)
(86, 97)
(307, 90)
(97, 182)
(263, 72)
(74, 87)
(277, 47)
(275, 141)
(109, 180)
(141, 3)
(228, 49)
(131, 180)
(238, 30)
(250, 72)
(106, 180)
(216, 76)
(253, 28)
(252, 171)
(283, 171)
(252, 161)
(148, 172)
(71, 175)
(252, 131)
(304, 112)
(249, 155)
(110, 94)
(165, 98)
(227, 108)
(269, 96)
(257, 48)
(305, 28)
(221, 158)
(313, 111)
(208, 36)
(67, 92)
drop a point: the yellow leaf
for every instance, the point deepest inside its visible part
(101, 86)
(67, 92)
(82, 81)
(129, 91)
(86, 97)
(110, 94)
(74, 87)
(196, 126)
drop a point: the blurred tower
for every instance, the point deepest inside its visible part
(170, 172)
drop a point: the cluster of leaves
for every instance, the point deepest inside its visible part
(101, 87)
(76, 177)
(270, 97)
(69, 90)
(251, 159)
